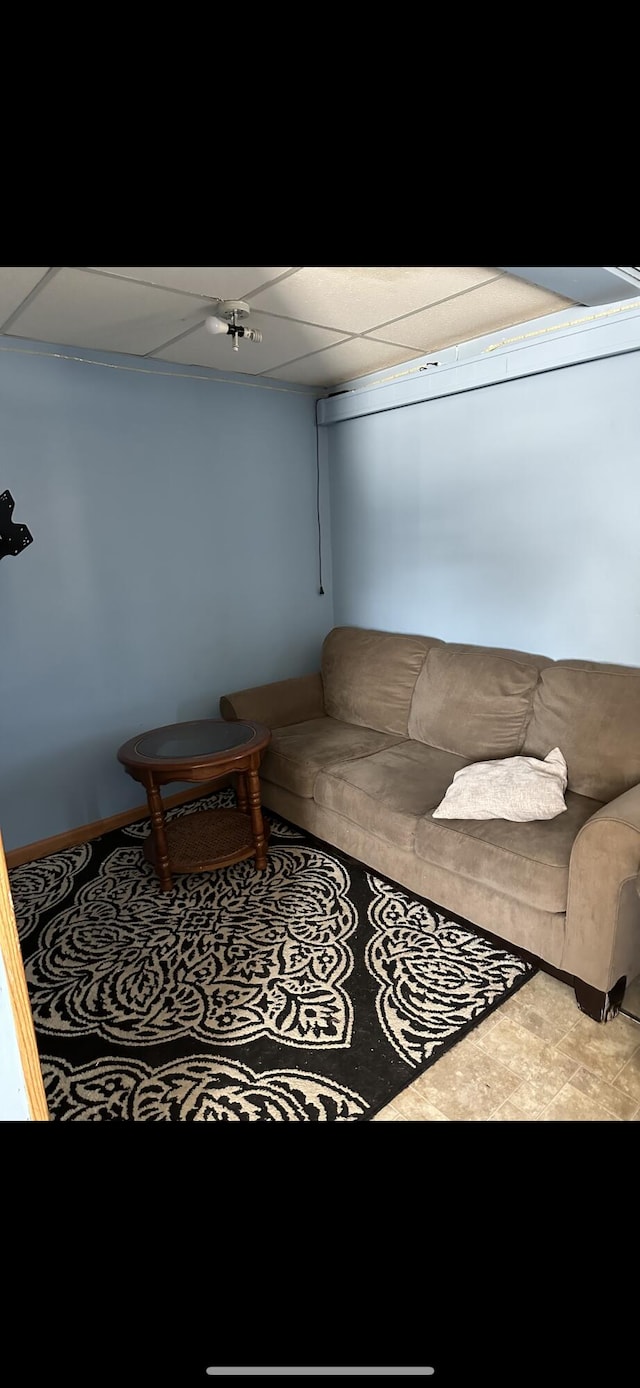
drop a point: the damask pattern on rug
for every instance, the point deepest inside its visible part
(195, 1088)
(37, 886)
(434, 975)
(315, 990)
(231, 956)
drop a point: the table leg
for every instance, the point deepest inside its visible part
(241, 792)
(257, 822)
(160, 846)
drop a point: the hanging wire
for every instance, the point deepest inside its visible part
(320, 587)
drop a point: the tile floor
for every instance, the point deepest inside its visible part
(537, 1059)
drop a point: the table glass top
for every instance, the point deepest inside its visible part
(186, 740)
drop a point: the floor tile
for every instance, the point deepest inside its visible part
(508, 1113)
(387, 1115)
(571, 1106)
(621, 1105)
(552, 999)
(552, 1072)
(602, 1047)
(412, 1105)
(516, 1010)
(516, 1047)
(466, 1083)
(488, 1024)
(628, 1079)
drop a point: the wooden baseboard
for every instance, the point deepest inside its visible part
(43, 847)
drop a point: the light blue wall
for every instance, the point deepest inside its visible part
(14, 1102)
(175, 558)
(505, 516)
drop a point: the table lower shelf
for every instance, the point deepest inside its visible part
(207, 839)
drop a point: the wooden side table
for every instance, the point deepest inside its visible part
(201, 751)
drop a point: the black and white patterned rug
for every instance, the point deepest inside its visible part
(315, 990)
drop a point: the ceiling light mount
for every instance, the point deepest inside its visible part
(227, 317)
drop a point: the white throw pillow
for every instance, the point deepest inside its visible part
(517, 788)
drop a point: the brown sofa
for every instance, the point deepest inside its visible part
(363, 750)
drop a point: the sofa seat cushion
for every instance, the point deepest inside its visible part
(527, 861)
(387, 793)
(297, 753)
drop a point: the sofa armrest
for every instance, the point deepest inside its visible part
(279, 704)
(602, 940)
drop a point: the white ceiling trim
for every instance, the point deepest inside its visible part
(611, 333)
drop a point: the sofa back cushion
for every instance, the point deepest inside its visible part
(591, 712)
(369, 676)
(475, 700)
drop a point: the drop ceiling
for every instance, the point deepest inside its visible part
(320, 325)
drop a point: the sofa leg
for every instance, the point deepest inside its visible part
(601, 1006)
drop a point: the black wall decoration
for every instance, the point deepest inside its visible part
(13, 538)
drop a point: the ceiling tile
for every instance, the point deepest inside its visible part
(352, 358)
(208, 281)
(83, 310)
(356, 298)
(322, 325)
(16, 281)
(280, 342)
(483, 310)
